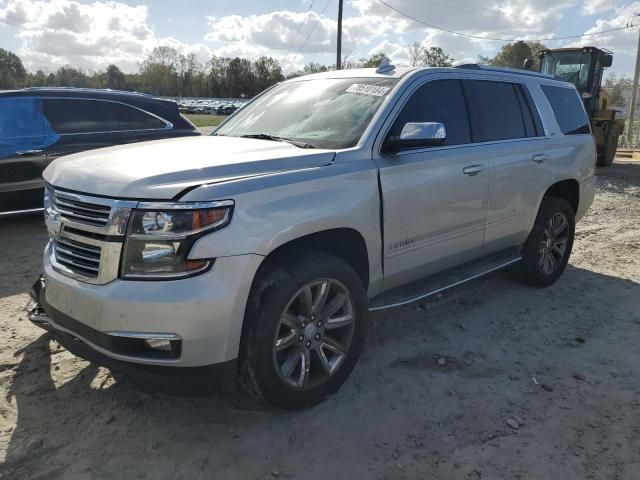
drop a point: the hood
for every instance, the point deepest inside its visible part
(161, 169)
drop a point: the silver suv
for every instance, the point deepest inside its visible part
(259, 251)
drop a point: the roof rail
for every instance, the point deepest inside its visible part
(491, 68)
(87, 89)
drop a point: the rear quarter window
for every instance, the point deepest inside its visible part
(130, 118)
(568, 109)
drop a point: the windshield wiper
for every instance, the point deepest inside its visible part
(275, 138)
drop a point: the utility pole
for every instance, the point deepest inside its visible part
(634, 92)
(339, 52)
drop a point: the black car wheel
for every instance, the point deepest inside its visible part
(304, 329)
(610, 147)
(546, 252)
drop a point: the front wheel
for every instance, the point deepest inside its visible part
(304, 329)
(610, 147)
(546, 252)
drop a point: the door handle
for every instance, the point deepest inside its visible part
(539, 158)
(473, 169)
(29, 153)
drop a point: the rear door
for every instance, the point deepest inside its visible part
(435, 198)
(508, 133)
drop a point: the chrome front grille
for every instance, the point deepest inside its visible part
(80, 212)
(86, 234)
(81, 258)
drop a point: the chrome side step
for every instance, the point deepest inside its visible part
(433, 284)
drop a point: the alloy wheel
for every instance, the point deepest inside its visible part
(314, 334)
(553, 246)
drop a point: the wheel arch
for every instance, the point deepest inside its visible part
(348, 244)
(568, 190)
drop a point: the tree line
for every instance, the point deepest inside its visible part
(166, 72)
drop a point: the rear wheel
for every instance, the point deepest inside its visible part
(546, 252)
(304, 330)
(610, 147)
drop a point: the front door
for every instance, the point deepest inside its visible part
(434, 199)
(25, 136)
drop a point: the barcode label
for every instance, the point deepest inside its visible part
(362, 89)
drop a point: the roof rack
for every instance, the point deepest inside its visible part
(87, 89)
(491, 68)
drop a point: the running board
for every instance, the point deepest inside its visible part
(425, 287)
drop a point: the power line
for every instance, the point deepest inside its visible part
(295, 37)
(628, 26)
(313, 27)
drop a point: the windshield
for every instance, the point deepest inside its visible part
(569, 66)
(323, 113)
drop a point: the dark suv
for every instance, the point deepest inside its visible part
(38, 125)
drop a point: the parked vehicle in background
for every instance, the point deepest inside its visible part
(211, 106)
(264, 246)
(37, 125)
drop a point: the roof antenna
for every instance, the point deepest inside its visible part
(385, 66)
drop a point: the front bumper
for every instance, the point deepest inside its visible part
(203, 314)
(167, 379)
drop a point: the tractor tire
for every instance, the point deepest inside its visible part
(610, 147)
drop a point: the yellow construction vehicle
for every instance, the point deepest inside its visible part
(584, 67)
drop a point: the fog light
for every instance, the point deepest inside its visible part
(159, 344)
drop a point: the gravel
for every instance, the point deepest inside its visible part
(63, 418)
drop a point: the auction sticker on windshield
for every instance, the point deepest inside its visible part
(363, 89)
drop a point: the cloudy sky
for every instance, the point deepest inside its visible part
(47, 34)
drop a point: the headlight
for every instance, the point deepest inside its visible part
(160, 236)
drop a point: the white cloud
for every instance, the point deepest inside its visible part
(377, 27)
(591, 7)
(91, 36)
(621, 42)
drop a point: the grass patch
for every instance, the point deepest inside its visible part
(203, 120)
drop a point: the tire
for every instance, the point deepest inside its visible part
(546, 252)
(610, 147)
(284, 331)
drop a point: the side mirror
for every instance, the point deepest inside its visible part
(607, 60)
(527, 64)
(415, 135)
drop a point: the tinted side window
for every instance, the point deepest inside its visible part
(438, 101)
(495, 111)
(130, 118)
(568, 109)
(69, 115)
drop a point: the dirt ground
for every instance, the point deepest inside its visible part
(561, 365)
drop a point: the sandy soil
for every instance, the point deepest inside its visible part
(560, 365)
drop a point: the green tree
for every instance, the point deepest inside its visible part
(436, 57)
(159, 71)
(419, 55)
(12, 71)
(373, 61)
(71, 77)
(514, 54)
(615, 88)
(267, 72)
(115, 79)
